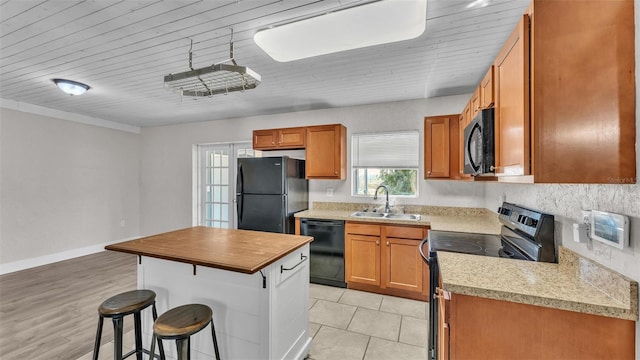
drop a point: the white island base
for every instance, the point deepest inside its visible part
(255, 317)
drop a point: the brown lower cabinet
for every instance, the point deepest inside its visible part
(472, 327)
(385, 259)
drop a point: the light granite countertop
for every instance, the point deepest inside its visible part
(574, 284)
(474, 220)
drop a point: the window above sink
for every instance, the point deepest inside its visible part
(389, 159)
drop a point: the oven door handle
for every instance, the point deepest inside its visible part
(420, 248)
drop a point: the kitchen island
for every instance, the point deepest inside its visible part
(257, 284)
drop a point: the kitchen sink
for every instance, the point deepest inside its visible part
(374, 215)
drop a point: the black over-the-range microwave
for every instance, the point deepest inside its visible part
(479, 157)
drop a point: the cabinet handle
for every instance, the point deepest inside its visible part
(387, 243)
(429, 172)
(493, 168)
(302, 259)
(377, 242)
(335, 173)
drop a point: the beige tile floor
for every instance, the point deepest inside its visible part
(347, 324)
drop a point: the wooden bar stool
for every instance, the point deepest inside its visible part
(116, 308)
(179, 324)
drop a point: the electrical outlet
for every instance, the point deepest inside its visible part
(329, 192)
(586, 216)
(123, 223)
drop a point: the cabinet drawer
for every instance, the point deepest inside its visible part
(363, 229)
(404, 232)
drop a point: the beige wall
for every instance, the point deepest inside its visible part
(65, 187)
(166, 162)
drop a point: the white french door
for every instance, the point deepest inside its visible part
(217, 164)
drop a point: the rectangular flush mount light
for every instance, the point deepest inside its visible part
(374, 23)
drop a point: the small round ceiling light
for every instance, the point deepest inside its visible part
(71, 87)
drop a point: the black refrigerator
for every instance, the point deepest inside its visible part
(269, 191)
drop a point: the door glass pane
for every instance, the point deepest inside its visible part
(224, 192)
(224, 176)
(225, 212)
(209, 194)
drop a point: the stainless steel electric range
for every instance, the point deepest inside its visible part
(525, 235)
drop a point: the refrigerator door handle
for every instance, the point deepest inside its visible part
(239, 208)
(240, 180)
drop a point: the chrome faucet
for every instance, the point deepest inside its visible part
(386, 205)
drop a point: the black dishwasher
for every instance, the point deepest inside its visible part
(327, 251)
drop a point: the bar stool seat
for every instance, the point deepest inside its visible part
(179, 324)
(116, 308)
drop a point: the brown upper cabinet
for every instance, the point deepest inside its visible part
(326, 147)
(326, 152)
(512, 148)
(573, 119)
(279, 139)
(486, 90)
(441, 147)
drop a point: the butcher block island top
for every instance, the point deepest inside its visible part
(241, 251)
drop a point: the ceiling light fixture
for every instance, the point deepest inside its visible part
(71, 87)
(373, 23)
(215, 79)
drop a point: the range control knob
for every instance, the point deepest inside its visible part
(531, 222)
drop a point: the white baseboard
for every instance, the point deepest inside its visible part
(48, 259)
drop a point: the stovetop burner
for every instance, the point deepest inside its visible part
(457, 245)
(466, 243)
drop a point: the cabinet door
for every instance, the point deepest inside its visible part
(474, 107)
(326, 152)
(362, 259)
(486, 90)
(265, 139)
(291, 138)
(512, 103)
(583, 113)
(403, 264)
(436, 147)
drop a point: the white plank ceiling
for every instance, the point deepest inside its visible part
(123, 50)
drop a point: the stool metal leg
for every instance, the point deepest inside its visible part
(183, 346)
(138, 334)
(215, 340)
(117, 337)
(155, 317)
(96, 346)
(153, 347)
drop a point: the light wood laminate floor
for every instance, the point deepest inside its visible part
(51, 311)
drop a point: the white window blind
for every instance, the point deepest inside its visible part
(385, 150)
